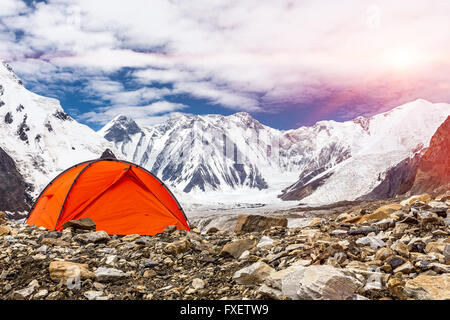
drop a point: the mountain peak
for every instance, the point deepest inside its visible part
(120, 128)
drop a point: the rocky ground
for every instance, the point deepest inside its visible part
(395, 251)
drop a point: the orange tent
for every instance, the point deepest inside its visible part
(120, 197)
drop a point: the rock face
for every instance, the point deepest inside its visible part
(13, 188)
(433, 172)
(250, 223)
(397, 180)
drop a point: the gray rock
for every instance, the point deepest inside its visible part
(103, 274)
(372, 241)
(362, 230)
(92, 237)
(23, 293)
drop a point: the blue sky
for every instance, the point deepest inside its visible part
(287, 63)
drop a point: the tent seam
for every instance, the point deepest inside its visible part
(70, 189)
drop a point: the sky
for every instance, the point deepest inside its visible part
(287, 63)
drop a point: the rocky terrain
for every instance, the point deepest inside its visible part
(370, 250)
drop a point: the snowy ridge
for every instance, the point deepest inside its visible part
(41, 138)
(229, 156)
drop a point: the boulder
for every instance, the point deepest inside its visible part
(62, 270)
(425, 287)
(237, 247)
(178, 247)
(319, 282)
(254, 274)
(252, 223)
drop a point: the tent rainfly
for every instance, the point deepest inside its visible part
(120, 197)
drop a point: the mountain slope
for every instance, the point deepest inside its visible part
(331, 161)
(13, 188)
(38, 135)
(433, 173)
(389, 138)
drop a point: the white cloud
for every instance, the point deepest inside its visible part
(244, 55)
(146, 115)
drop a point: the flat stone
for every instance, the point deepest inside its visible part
(80, 224)
(251, 223)
(405, 268)
(381, 213)
(103, 274)
(131, 237)
(338, 232)
(362, 230)
(92, 237)
(55, 242)
(385, 224)
(373, 242)
(237, 247)
(93, 295)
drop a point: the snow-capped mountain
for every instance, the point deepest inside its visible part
(331, 161)
(39, 136)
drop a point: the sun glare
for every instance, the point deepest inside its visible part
(403, 59)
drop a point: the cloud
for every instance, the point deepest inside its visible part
(253, 55)
(146, 115)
